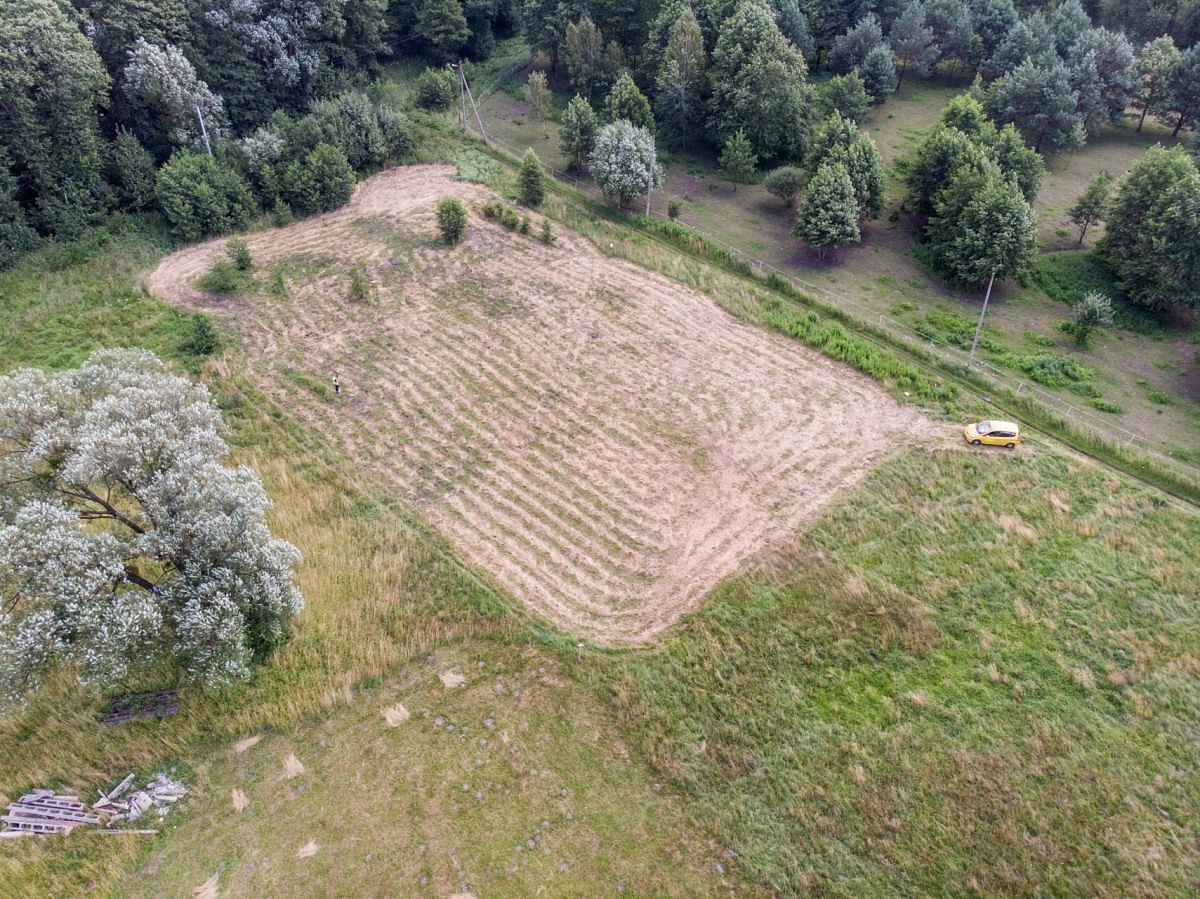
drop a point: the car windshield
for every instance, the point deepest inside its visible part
(983, 427)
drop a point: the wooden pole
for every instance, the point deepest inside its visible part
(979, 327)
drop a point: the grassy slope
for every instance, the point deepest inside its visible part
(978, 675)
(882, 276)
(916, 697)
(381, 593)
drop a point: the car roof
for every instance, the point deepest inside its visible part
(1004, 425)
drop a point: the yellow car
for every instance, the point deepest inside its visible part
(993, 433)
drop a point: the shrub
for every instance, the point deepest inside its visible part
(1106, 406)
(323, 181)
(1052, 370)
(785, 182)
(532, 180)
(492, 209)
(437, 89)
(452, 220)
(673, 209)
(202, 197)
(222, 279)
(351, 123)
(508, 218)
(239, 254)
(1091, 312)
(547, 235)
(1159, 397)
(202, 339)
(397, 132)
(281, 213)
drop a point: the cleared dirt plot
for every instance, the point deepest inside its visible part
(604, 442)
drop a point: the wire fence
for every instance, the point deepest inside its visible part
(1072, 413)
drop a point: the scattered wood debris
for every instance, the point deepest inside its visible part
(46, 811)
(208, 889)
(156, 704)
(451, 679)
(239, 799)
(308, 850)
(242, 745)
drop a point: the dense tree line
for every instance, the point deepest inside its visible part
(98, 94)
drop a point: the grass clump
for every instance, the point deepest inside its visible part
(1104, 405)
(360, 287)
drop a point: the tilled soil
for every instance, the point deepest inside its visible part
(605, 442)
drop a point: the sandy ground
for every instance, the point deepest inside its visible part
(605, 442)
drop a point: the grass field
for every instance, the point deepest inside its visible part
(975, 673)
(882, 275)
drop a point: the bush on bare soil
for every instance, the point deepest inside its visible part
(452, 220)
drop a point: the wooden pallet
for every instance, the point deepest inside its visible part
(157, 704)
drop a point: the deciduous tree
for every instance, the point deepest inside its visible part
(624, 162)
(1090, 207)
(785, 182)
(1156, 66)
(681, 83)
(537, 95)
(125, 543)
(845, 94)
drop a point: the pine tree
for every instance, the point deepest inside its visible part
(577, 131)
(851, 49)
(879, 73)
(1152, 239)
(625, 101)
(1093, 311)
(532, 179)
(738, 159)
(828, 216)
(839, 141)
(1039, 100)
(785, 182)
(912, 42)
(1090, 207)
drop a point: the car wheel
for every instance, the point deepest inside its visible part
(976, 443)
(1010, 445)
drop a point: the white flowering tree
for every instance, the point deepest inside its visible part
(124, 541)
(162, 86)
(624, 162)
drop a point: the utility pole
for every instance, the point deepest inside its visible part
(979, 327)
(203, 130)
(650, 176)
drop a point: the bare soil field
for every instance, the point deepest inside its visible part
(606, 443)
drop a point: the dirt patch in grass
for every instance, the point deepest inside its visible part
(515, 784)
(607, 443)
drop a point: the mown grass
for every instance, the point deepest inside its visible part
(381, 591)
(976, 677)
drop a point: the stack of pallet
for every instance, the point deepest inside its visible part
(45, 811)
